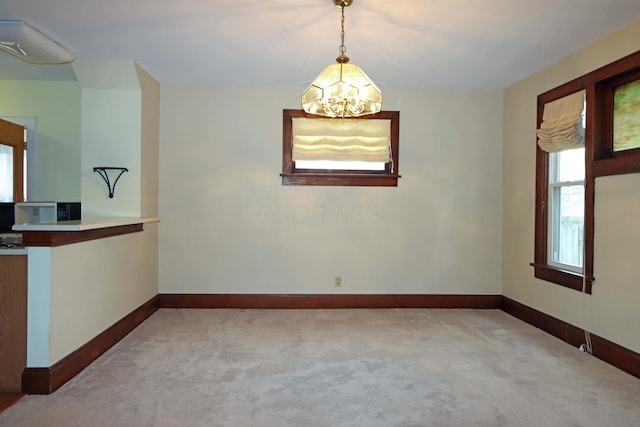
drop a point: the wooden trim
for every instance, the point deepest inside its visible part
(48, 380)
(629, 163)
(600, 160)
(8, 399)
(607, 161)
(359, 180)
(566, 278)
(331, 301)
(542, 270)
(607, 351)
(291, 176)
(37, 381)
(59, 238)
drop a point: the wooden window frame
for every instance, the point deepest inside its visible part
(606, 161)
(543, 270)
(292, 176)
(600, 160)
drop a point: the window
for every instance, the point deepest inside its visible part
(617, 138)
(592, 131)
(6, 173)
(566, 209)
(562, 189)
(626, 108)
(12, 155)
(347, 152)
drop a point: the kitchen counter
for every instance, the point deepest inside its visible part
(68, 232)
(17, 250)
(83, 224)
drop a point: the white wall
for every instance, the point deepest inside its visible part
(611, 311)
(229, 226)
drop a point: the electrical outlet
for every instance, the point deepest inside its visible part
(338, 281)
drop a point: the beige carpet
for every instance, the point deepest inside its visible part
(404, 367)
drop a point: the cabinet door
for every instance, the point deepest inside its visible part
(13, 321)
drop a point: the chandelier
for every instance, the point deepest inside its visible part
(342, 89)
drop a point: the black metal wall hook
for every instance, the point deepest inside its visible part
(102, 170)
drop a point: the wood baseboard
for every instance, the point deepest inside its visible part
(612, 353)
(8, 399)
(48, 380)
(325, 301)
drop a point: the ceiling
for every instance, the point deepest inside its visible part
(430, 44)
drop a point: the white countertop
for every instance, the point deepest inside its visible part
(83, 224)
(18, 250)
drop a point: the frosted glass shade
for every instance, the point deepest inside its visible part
(342, 90)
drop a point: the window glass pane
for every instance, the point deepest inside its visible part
(626, 114)
(567, 225)
(337, 165)
(568, 165)
(6, 173)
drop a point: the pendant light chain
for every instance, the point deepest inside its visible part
(343, 49)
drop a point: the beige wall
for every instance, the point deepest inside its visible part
(56, 107)
(229, 226)
(76, 291)
(149, 142)
(96, 283)
(611, 311)
(111, 135)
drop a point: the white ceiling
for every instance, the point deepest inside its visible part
(433, 44)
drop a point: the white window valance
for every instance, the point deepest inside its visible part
(562, 125)
(341, 140)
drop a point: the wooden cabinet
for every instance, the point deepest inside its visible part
(13, 321)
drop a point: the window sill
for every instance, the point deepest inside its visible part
(566, 278)
(341, 179)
